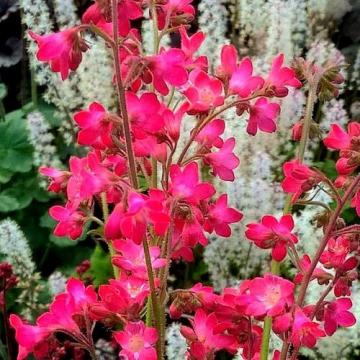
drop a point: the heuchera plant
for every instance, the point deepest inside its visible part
(156, 208)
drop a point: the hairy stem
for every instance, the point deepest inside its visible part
(122, 99)
(275, 266)
(154, 299)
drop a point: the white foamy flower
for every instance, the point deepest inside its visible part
(65, 13)
(213, 18)
(14, 249)
(41, 139)
(57, 283)
(176, 346)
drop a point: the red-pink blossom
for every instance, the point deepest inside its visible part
(209, 136)
(219, 217)
(299, 178)
(95, 127)
(355, 202)
(173, 121)
(304, 332)
(75, 301)
(262, 116)
(270, 295)
(349, 145)
(185, 184)
(27, 336)
(336, 314)
(175, 12)
(338, 139)
(125, 296)
(70, 220)
(63, 50)
(273, 234)
(336, 252)
(204, 92)
(190, 45)
(127, 10)
(132, 223)
(89, 177)
(205, 337)
(224, 161)
(131, 258)
(320, 274)
(242, 82)
(280, 77)
(168, 67)
(229, 62)
(297, 131)
(59, 178)
(137, 341)
(144, 114)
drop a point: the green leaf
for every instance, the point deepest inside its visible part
(8, 203)
(101, 268)
(62, 241)
(5, 176)
(15, 149)
(15, 198)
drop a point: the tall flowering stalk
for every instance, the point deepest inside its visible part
(151, 219)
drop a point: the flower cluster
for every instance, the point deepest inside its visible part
(150, 203)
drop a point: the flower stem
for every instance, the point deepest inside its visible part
(121, 98)
(275, 266)
(154, 299)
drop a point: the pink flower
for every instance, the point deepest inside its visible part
(190, 45)
(336, 252)
(224, 161)
(137, 341)
(125, 296)
(27, 336)
(220, 216)
(280, 77)
(127, 9)
(95, 125)
(89, 177)
(349, 145)
(167, 67)
(205, 337)
(320, 274)
(144, 114)
(274, 234)
(132, 258)
(229, 62)
(297, 131)
(175, 12)
(262, 116)
(185, 184)
(299, 178)
(132, 223)
(338, 139)
(209, 136)
(59, 178)
(71, 221)
(63, 50)
(270, 295)
(336, 314)
(173, 121)
(355, 202)
(68, 306)
(204, 92)
(242, 82)
(304, 332)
